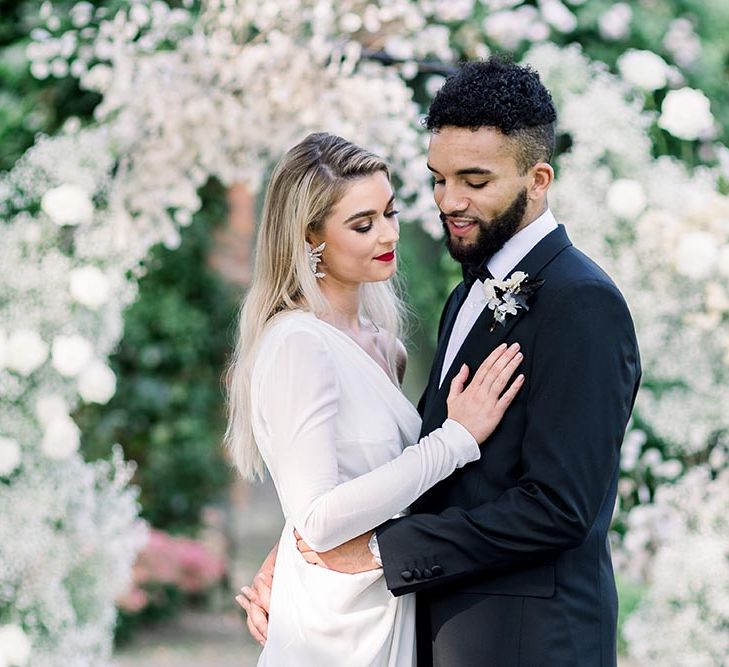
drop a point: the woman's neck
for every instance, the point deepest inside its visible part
(344, 305)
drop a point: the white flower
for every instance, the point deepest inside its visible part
(399, 47)
(514, 280)
(14, 645)
(453, 10)
(509, 305)
(40, 70)
(350, 22)
(722, 263)
(626, 198)
(71, 354)
(139, 14)
(3, 348)
(510, 28)
(489, 290)
(50, 406)
(670, 469)
(652, 457)
(615, 22)
(682, 42)
(716, 297)
(686, 114)
(434, 83)
(89, 286)
(25, 351)
(68, 205)
(9, 460)
(61, 438)
(643, 69)
(557, 15)
(97, 383)
(99, 78)
(696, 255)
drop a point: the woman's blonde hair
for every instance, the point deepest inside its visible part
(304, 187)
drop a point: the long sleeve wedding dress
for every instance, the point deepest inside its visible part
(334, 432)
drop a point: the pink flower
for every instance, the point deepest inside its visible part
(167, 560)
(133, 601)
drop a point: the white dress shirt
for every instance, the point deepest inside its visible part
(500, 266)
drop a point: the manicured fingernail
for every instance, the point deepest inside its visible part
(515, 346)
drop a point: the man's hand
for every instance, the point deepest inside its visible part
(350, 558)
(256, 599)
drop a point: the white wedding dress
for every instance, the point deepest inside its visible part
(334, 432)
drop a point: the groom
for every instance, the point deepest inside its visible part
(509, 556)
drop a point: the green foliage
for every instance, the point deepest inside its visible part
(629, 595)
(168, 412)
(29, 106)
(166, 600)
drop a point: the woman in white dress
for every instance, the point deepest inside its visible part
(314, 394)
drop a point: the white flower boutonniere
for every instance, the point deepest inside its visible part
(506, 297)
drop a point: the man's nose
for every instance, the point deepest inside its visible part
(452, 202)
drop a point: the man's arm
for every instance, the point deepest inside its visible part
(256, 599)
(582, 386)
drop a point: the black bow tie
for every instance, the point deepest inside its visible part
(473, 273)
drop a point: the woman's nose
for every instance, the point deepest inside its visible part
(390, 233)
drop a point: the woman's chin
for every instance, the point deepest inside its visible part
(385, 273)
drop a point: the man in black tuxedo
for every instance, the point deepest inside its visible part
(509, 556)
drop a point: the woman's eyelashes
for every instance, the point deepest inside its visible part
(362, 229)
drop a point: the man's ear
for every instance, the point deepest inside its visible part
(542, 177)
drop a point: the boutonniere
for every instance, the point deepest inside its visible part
(506, 297)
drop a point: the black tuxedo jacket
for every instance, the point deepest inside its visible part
(509, 555)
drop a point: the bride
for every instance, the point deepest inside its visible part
(314, 393)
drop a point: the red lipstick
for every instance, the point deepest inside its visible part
(387, 257)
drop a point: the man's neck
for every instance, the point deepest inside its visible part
(532, 213)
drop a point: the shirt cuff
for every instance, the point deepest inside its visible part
(461, 441)
(374, 546)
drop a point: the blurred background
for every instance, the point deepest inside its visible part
(136, 138)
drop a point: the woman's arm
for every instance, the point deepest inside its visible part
(299, 400)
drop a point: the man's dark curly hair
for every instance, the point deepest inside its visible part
(499, 93)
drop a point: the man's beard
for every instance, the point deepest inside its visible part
(492, 235)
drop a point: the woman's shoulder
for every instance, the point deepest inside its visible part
(289, 322)
(290, 333)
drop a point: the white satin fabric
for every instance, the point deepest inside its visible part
(334, 432)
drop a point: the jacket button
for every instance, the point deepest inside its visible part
(437, 570)
(417, 573)
(427, 573)
(407, 575)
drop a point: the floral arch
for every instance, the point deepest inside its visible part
(221, 91)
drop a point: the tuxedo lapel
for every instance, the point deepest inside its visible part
(481, 337)
(449, 319)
